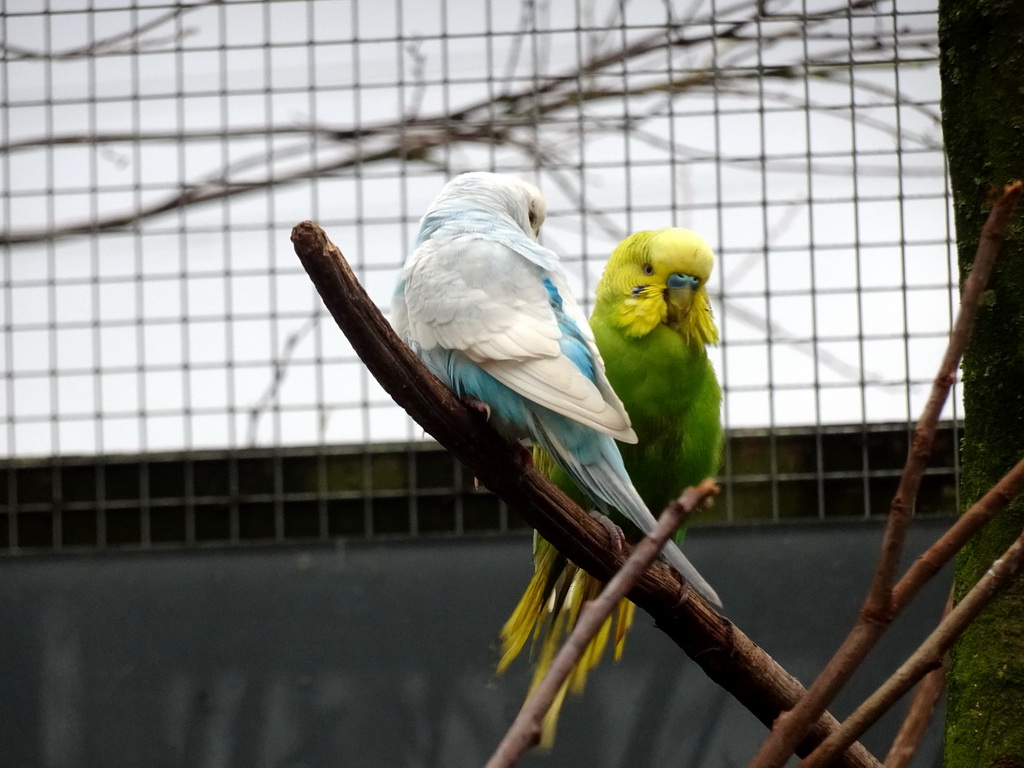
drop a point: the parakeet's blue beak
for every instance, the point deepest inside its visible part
(679, 295)
(680, 280)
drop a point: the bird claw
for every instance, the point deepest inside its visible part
(617, 539)
(479, 406)
(525, 455)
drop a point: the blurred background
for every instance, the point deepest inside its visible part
(215, 524)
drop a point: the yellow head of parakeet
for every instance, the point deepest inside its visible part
(660, 278)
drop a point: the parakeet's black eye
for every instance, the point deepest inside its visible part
(534, 223)
(648, 269)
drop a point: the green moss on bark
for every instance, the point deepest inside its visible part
(982, 67)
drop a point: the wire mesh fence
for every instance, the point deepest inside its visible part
(154, 157)
(386, 491)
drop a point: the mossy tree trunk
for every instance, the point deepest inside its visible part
(982, 67)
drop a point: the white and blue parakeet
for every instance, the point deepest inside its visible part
(489, 312)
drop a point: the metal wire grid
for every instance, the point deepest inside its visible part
(245, 497)
(300, 495)
(155, 156)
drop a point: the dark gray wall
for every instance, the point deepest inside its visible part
(381, 654)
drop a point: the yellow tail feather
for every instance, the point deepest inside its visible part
(549, 610)
(530, 609)
(623, 621)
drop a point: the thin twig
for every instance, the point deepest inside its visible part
(107, 44)
(725, 653)
(920, 712)
(525, 730)
(418, 78)
(878, 609)
(222, 189)
(952, 541)
(280, 372)
(927, 657)
(879, 598)
(307, 132)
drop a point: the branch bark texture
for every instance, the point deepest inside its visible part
(920, 712)
(982, 115)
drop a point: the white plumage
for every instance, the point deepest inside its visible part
(475, 284)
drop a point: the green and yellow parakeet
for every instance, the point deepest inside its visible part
(652, 323)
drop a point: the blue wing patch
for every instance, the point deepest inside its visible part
(573, 345)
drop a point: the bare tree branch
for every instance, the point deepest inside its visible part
(953, 540)
(879, 607)
(926, 658)
(725, 654)
(920, 712)
(281, 363)
(490, 120)
(419, 64)
(305, 131)
(525, 731)
(109, 44)
(221, 189)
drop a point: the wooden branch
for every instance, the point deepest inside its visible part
(927, 657)
(920, 712)
(878, 609)
(919, 715)
(525, 730)
(953, 540)
(725, 654)
(926, 566)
